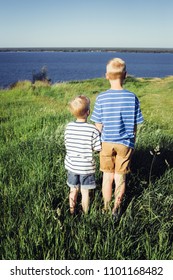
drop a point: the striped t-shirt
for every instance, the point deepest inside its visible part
(81, 139)
(118, 111)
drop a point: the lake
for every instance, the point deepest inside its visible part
(67, 66)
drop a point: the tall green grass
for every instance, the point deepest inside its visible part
(35, 219)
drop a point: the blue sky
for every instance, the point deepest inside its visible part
(86, 23)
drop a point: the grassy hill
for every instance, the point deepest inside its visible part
(33, 194)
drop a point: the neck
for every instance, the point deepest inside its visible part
(116, 84)
(81, 119)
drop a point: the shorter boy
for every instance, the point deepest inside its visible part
(81, 139)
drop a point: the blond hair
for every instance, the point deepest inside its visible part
(116, 68)
(79, 106)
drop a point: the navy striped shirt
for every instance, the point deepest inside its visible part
(81, 139)
(118, 111)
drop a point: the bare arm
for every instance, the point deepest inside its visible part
(99, 126)
(135, 131)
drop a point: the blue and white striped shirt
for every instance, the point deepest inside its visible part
(81, 140)
(118, 111)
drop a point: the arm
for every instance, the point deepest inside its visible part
(135, 131)
(99, 126)
(96, 141)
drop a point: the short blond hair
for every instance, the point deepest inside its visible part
(79, 106)
(115, 68)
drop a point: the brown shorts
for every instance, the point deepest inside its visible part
(115, 158)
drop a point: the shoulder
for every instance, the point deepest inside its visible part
(70, 125)
(130, 93)
(131, 96)
(92, 128)
(102, 95)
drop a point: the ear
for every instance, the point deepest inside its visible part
(88, 112)
(106, 76)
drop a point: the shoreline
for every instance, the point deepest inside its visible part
(13, 85)
(73, 49)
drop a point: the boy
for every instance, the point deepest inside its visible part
(116, 114)
(81, 139)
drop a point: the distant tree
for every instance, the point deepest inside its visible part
(41, 76)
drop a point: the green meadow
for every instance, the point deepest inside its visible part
(35, 220)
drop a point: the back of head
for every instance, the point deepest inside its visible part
(79, 106)
(116, 68)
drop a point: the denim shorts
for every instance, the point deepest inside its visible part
(86, 181)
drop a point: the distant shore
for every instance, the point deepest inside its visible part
(137, 50)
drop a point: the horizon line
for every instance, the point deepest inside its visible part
(120, 49)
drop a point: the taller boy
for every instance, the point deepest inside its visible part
(116, 114)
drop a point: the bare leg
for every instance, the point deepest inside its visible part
(120, 185)
(72, 199)
(108, 179)
(85, 200)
